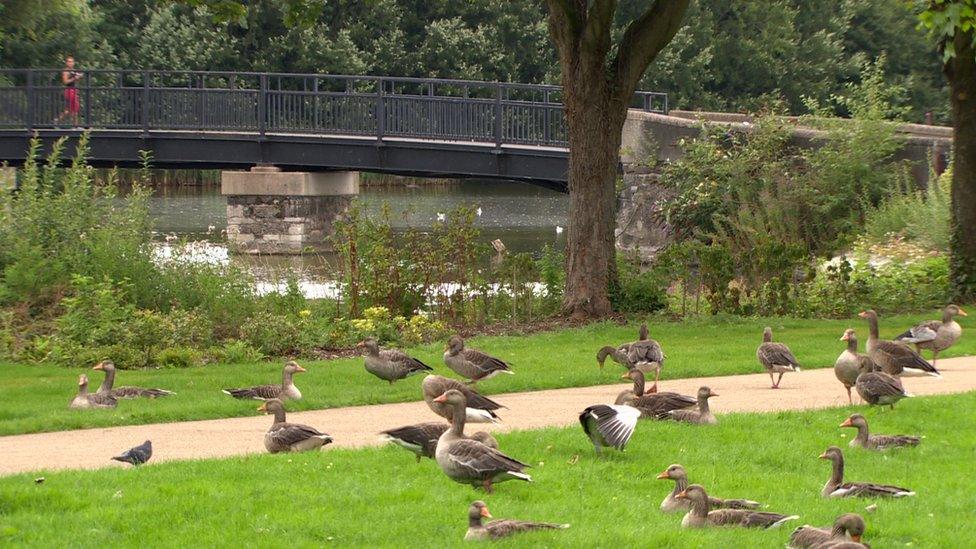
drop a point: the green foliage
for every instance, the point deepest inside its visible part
(237, 352)
(637, 290)
(946, 18)
(272, 334)
(921, 217)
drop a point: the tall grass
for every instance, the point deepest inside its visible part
(921, 217)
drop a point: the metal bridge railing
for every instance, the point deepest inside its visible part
(447, 110)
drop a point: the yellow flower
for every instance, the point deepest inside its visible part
(304, 313)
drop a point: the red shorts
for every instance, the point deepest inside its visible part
(71, 98)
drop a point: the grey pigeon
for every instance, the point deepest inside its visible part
(136, 456)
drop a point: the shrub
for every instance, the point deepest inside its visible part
(236, 352)
(273, 334)
(637, 290)
(921, 217)
(179, 357)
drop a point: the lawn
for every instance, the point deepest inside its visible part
(381, 497)
(36, 397)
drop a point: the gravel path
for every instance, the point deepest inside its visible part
(358, 426)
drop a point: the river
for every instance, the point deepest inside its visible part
(525, 217)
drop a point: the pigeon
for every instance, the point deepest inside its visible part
(136, 456)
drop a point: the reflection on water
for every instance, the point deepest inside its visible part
(525, 217)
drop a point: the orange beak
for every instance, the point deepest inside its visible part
(713, 393)
(845, 337)
(823, 456)
(442, 398)
(263, 407)
(856, 537)
(863, 314)
(962, 313)
(300, 369)
(625, 376)
(361, 344)
(682, 494)
(847, 423)
(663, 475)
(485, 513)
(99, 366)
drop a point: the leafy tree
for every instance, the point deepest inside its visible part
(953, 25)
(599, 76)
(181, 38)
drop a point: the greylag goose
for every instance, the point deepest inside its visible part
(477, 530)
(653, 405)
(847, 527)
(671, 504)
(421, 439)
(937, 335)
(84, 399)
(286, 390)
(850, 363)
(136, 455)
(472, 363)
(468, 461)
(776, 358)
(876, 442)
(699, 516)
(609, 426)
(878, 388)
(894, 357)
(645, 354)
(289, 437)
(480, 409)
(701, 416)
(837, 488)
(390, 364)
(106, 387)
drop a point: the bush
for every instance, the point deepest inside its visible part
(637, 291)
(179, 357)
(237, 352)
(272, 334)
(921, 217)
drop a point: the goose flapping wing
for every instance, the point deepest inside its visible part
(614, 423)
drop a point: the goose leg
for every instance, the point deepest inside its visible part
(850, 399)
(487, 485)
(771, 382)
(780, 378)
(935, 356)
(418, 458)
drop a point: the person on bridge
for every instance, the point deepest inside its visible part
(70, 78)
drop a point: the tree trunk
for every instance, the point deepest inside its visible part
(593, 162)
(961, 73)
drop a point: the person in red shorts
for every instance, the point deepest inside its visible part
(70, 78)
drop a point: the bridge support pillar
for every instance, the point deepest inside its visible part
(274, 212)
(8, 177)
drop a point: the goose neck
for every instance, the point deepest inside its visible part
(108, 382)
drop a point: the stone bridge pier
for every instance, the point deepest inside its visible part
(274, 212)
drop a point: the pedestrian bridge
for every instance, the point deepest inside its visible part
(298, 122)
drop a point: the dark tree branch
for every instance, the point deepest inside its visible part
(596, 34)
(644, 38)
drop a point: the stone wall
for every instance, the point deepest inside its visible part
(640, 225)
(282, 224)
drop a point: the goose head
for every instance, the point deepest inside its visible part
(455, 345)
(852, 523)
(477, 511)
(272, 406)
(848, 335)
(673, 472)
(955, 310)
(833, 454)
(704, 393)
(370, 345)
(767, 334)
(694, 493)
(292, 367)
(105, 365)
(868, 314)
(452, 397)
(856, 420)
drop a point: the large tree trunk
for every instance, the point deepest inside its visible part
(961, 73)
(592, 199)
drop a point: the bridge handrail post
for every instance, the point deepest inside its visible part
(87, 81)
(546, 132)
(498, 115)
(380, 109)
(263, 105)
(145, 103)
(29, 111)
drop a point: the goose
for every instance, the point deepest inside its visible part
(701, 416)
(390, 364)
(847, 527)
(478, 530)
(472, 363)
(286, 390)
(775, 357)
(894, 357)
(876, 442)
(672, 504)
(878, 388)
(850, 363)
(645, 354)
(837, 488)
(937, 335)
(289, 437)
(654, 405)
(468, 461)
(84, 399)
(480, 409)
(136, 455)
(609, 426)
(699, 516)
(421, 439)
(124, 392)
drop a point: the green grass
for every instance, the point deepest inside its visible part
(381, 497)
(36, 397)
